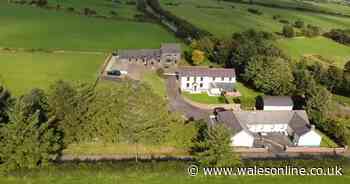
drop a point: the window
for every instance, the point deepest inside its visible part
(222, 78)
(188, 85)
(194, 78)
(188, 78)
(230, 78)
(201, 85)
(201, 78)
(213, 78)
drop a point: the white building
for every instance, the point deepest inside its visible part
(247, 125)
(277, 103)
(213, 81)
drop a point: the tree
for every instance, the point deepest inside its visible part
(25, 141)
(141, 5)
(334, 78)
(6, 101)
(69, 105)
(270, 75)
(288, 31)
(299, 24)
(318, 102)
(198, 57)
(303, 79)
(216, 149)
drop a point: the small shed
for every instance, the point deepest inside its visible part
(277, 103)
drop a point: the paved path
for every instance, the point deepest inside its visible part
(178, 104)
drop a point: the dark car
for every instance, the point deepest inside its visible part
(218, 109)
(114, 73)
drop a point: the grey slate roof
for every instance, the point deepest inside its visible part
(171, 48)
(228, 87)
(277, 101)
(297, 120)
(208, 72)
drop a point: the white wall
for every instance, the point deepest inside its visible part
(242, 138)
(278, 108)
(205, 81)
(310, 138)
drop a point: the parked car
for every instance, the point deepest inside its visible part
(114, 73)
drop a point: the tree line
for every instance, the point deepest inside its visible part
(36, 127)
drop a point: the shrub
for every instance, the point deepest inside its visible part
(299, 24)
(160, 72)
(255, 11)
(113, 13)
(288, 31)
(283, 21)
(275, 17)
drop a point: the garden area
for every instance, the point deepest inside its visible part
(247, 98)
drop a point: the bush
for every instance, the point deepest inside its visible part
(275, 17)
(255, 11)
(113, 13)
(288, 31)
(283, 21)
(299, 24)
(160, 72)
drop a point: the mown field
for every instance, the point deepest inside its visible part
(23, 71)
(104, 7)
(331, 52)
(224, 18)
(145, 173)
(31, 27)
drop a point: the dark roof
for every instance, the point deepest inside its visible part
(297, 120)
(299, 125)
(228, 118)
(208, 72)
(278, 101)
(228, 87)
(170, 48)
(139, 53)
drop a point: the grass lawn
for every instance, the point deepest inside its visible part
(30, 27)
(248, 97)
(23, 71)
(157, 83)
(226, 18)
(204, 98)
(319, 46)
(123, 149)
(327, 142)
(146, 173)
(121, 7)
(342, 99)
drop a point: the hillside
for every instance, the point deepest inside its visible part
(24, 26)
(223, 18)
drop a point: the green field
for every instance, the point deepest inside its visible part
(315, 47)
(226, 18)
(22, 71)
(156, 83)
(30, 27)
(147, 173)
(121, 8)
(204, 98)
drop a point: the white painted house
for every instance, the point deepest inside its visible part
(213, 81)
(247, 125)
(278, 103)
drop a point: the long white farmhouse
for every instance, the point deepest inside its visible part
(213, 81)
(246, 126)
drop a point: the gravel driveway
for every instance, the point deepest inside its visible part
(178, 104)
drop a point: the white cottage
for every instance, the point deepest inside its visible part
(213, 81)
(247, 125)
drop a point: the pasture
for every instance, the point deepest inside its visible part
(31, 27)
(121, 7)
(224, 18)
(319, 48)
(22, 71)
